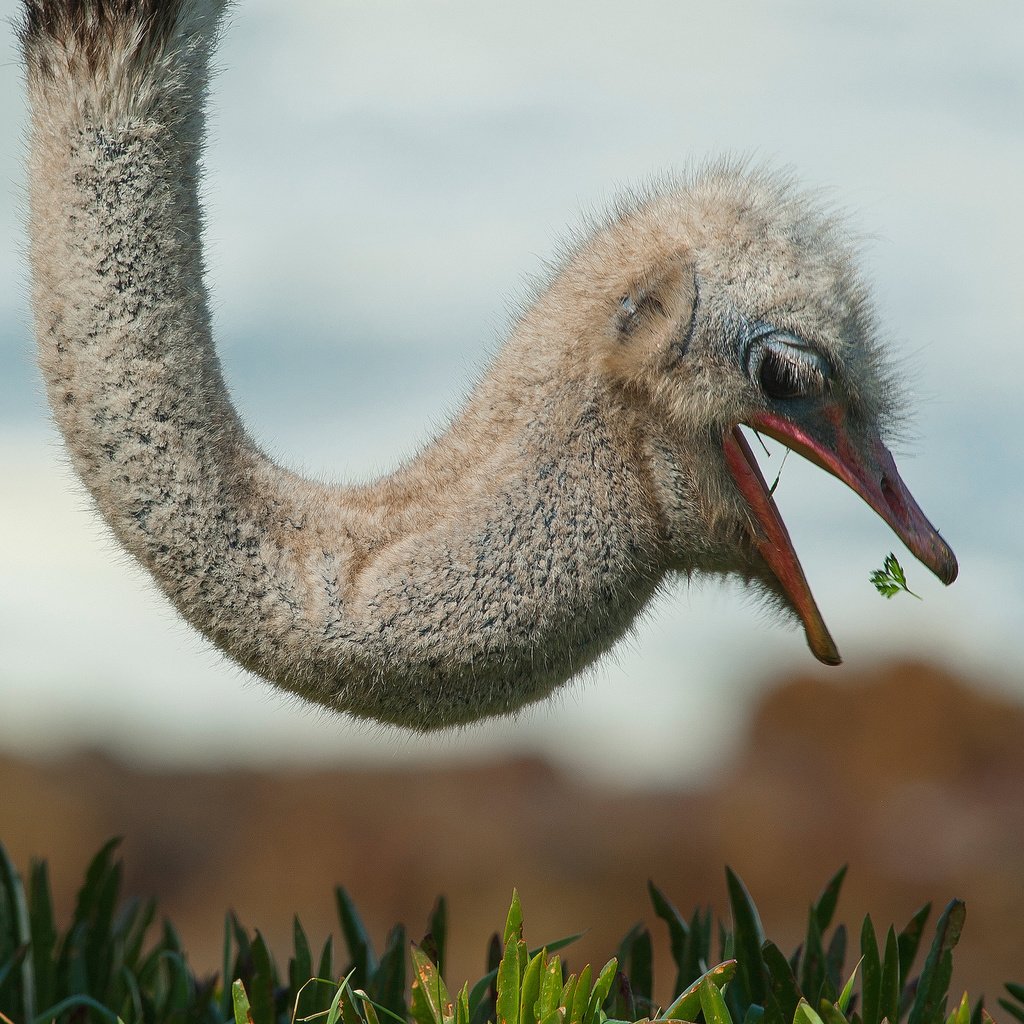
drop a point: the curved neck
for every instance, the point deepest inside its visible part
(511, 553)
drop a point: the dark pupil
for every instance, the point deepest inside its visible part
(778, 377)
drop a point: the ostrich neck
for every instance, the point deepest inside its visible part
(514, 550)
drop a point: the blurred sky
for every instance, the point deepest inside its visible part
(381, 180)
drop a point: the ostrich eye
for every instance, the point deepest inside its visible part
(779, 377)
(786, 368)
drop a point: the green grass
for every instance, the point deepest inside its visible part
(112, 963)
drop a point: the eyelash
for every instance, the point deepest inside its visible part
(785, 369)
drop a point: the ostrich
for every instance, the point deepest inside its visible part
(598, 457)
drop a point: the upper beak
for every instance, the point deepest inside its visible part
(859, 459)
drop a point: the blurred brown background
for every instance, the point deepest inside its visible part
(906, 773)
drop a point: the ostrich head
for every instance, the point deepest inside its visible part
(734, 301)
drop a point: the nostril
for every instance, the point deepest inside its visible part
(893, 498)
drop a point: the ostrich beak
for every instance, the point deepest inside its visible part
(863, 463)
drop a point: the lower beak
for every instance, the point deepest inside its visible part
(771, 538)
(862, 462)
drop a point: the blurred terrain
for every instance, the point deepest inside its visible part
(913, 777)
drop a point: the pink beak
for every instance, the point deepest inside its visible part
(867, 466)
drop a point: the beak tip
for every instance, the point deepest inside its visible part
(824, 649)
(952, 570)
(945, 565)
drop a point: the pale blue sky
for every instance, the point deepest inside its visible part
(383, 178)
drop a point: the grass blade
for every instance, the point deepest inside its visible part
(844, 997)
(44, 933)
(678, 931)
(933, 986)
(530, 989)
(748, 937)
(360, 948)
(825, 906)
(602, 987)
(910, 940)
(240, 1004)
(514, 921)
(431, 1003)
(782, 980)
(686, 1004)
(262, 983)
(388, 987)
(15, 891)
(550, 988)
(871, 976)
(712, 1003)
(889, 992)
(437, 929)
(581, 997)
(507, 1006)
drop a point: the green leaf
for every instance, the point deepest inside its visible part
(678, 931)
(1012, 1008)
(782, 980)
(844, 997)
(835, 957)
(620, 1004)
(635, 955)
(550, 988)
(698, 950)
(336, 1010)
(805, 1014)
(227, 995)
(530, 989)
(240, 1004)
(300, 970)
(11, 885)
(932, 988)
(813, 971)
(871, 976)
(514, 921)
(1017, 991)
(891, 579)
(602, 987)
(749, 938)
(889, 990)
(568, 994)
(830, 1013)
(825, 905)
(44, 934)
(962, 1014)
(262, 983)
(508, 977)
(368, 1009)
(910, 940)
(581, 997)
(712, 1003)
(437, 929)
(686, 1004)
(132, 923)
(360, 948)
(431, 1003)
(462, 1005)
(12, 963)
(387, 987)
(326, 962)
(371, 1009)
